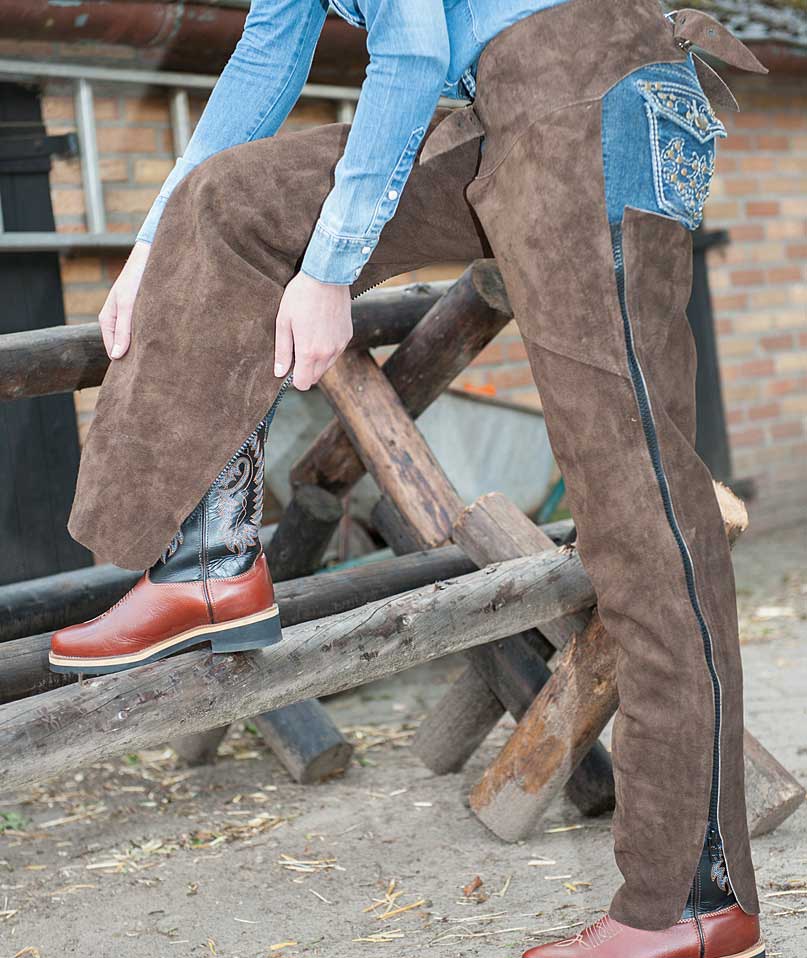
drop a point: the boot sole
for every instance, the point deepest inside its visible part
(252, 632)
(758, 951)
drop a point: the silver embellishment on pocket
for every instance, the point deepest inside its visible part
(683, 127)
(689, 176)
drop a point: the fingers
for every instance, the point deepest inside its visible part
(123, 330)
(106, 319)
(284, 344)
(115, 320)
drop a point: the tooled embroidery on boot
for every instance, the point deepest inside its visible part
(241, 476)
(173, 545)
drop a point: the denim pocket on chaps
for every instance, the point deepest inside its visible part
(683, 128)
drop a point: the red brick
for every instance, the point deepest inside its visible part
(729, 302)
(748, 277)
(735, 416)
(787, 430)
(747, 437)
(737, 143)
(723, 327)
(751, 369)
(772, 343)
(797, 251)
(126, 139)
(735, 186)
(786, 386)
(67, 201)
(84, 302)
(762, 208)
(786, 229)
(81, 269)
(130, 200)
(152, 171)
(773, 143)
(747, 232)
(754, 163)
(768, 410)
(153, 109)
(751, 121)
(784, 274)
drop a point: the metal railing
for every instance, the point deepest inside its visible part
(83, 79)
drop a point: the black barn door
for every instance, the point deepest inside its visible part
(39, 448)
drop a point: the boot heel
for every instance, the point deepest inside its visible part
(254, 635)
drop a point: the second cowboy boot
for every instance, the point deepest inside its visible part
(712, 926)
(212, 583)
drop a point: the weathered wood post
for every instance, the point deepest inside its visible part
(56, 732)
(568, 716)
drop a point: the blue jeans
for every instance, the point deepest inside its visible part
(658, 138)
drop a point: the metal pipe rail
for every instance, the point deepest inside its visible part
(84, 78)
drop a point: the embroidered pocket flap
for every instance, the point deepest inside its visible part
(685, 106)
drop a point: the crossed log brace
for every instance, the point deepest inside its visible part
(524, 580)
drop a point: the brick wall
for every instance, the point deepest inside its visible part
(759, 284)
(758, 281)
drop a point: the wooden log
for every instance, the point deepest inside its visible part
(24, 662)
(772, 793)
(200, 748)
(303, 533)
(568, 714)
(296, 549)
(564, 721)
(54, 601)
(391, 448)
(490, 529)
(469, 711)
(58, 731)
(447, 338)
(305, 739)
(391, 527)
(395, 453)
(65, 358)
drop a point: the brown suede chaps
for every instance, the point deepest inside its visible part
(199, 376)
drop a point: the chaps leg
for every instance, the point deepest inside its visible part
(198, 375)
(601, 309)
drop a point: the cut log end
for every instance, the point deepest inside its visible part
(733, 510)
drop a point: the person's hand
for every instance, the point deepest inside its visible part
(313, 327)
(116, 314)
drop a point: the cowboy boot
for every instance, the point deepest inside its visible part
(712, 926)
(211, 584)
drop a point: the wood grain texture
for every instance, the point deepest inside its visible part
(303, 533)
(59, 731)
(570, 712)
(305, 740)
(391, 447)
(63, 358)
(563, 722)
(446, 339)
(772, 793)
(24, 662)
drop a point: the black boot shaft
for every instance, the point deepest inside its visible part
(220, 538)
(711, 889)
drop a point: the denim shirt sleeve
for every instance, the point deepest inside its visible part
(256, 90)
(409, 55)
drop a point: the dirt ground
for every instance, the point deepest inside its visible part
(142, 857)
